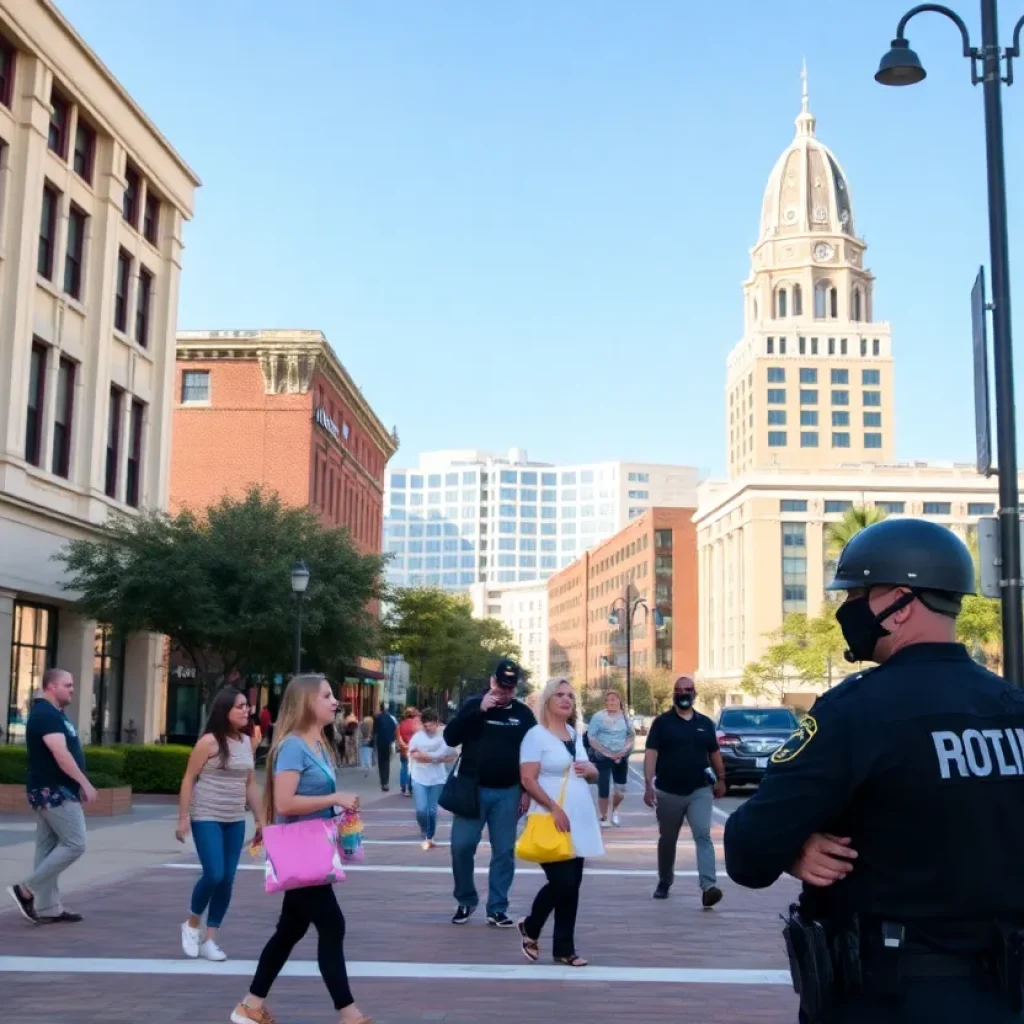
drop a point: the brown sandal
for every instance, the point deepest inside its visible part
(531, 947)
(572, 961)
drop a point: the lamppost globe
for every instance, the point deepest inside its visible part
(900, 66)
(300, 578)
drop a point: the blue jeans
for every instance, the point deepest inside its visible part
(425, 799)
(219, 846)
(366, 757)
(405, 779)
(499, 811)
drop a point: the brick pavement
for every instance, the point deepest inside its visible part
(401, 918)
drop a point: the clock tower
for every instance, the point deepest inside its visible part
(810, 385)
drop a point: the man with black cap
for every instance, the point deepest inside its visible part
(898, 804)
(490, 729)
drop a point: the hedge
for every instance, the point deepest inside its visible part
(147, 769)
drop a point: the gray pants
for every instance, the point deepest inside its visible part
(60, 841)
(696, 809)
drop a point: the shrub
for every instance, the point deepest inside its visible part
(155, 769)
(103, 781)
(13, 765)
(104, 761)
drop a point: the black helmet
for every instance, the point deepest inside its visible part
(911, 553)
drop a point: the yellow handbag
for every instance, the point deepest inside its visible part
(541, 842)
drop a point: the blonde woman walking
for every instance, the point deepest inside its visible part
(302, 781)
(552, 757)
(611, 738)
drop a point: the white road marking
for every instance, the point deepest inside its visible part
(396, 969)
(615, 844)
(433, 869)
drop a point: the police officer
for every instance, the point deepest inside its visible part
(899, 803)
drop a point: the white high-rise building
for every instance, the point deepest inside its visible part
(523, 607)
(465, 517)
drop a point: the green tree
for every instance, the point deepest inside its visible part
(980, 625)
(855, 519)
(652, 691)
(219, 584)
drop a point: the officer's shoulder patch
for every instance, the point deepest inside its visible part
(797, 743)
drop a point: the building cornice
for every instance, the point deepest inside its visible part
(289, 360)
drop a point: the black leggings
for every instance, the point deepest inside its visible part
(317, 906)
(562, 895)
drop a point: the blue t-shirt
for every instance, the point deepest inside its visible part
(317, 776)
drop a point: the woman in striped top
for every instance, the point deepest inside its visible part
(219, 783)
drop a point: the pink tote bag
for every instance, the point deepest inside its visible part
(302, 854)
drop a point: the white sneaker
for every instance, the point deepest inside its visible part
(209, 950)
(616, 820)
(605, 823)
(189, 941)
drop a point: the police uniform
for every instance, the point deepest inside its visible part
(919, 761)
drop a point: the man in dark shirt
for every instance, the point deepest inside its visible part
(384, 729)
(490, 730)
(680, 764)
(57, 786)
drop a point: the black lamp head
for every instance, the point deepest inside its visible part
(900, 66)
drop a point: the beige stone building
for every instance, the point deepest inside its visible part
(809, 410)
(92, 202)
(523, 607)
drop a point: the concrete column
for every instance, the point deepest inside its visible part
(144, 690)
(76, 640)
(6, 639)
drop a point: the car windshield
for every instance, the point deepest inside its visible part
(751, 718)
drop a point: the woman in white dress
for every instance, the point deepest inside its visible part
(551, 749)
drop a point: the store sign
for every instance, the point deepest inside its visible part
(326, 422)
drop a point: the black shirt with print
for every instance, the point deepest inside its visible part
(684, 749)
(490, 741)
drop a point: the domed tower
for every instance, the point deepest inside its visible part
(810, 384)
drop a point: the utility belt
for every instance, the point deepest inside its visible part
(832, 963)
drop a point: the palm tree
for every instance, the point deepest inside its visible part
(855, 519)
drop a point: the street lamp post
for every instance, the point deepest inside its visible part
(901, 66)
(630, 606)
(300, 581)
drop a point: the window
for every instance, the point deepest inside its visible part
(794, 567)
(840, 440)
(548, 479)
(820, 296)
(780, 304)
(938, 508)
(842, 346)
(872, 419)
(840, 397)
(62, 418)
(840, 419)
(113, 441)
(863, 346)
(803, 346)
(891, 508)
(60, 113)
(798, 301)
(980, 508)
(124, 276)
(130, 199)
(36, 393)
(195, 387)
(808, 417)
(770, 346)
(776, 375)
(75, 253)
(833, 303)
(398, 480)
(792, 505)
(831, 346)
(837, 506)
(638, 495)
(151, 225)
(133, 479)
(7, 60)
(808, 375)
(776, 417)
(808, 396)
(858, 304)
(776, 396)
(873, 398)
(85, 150)
(814, 346)
(875, 347)
(143, 305)
(782, 346)
(47, 232)
(776, 439)
(870, 378)
(808, 439)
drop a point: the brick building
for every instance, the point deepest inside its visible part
(655, 557)
(277, 409)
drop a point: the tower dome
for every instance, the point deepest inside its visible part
(807, 191)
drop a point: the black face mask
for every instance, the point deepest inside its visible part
(683, 701)
(862, 628)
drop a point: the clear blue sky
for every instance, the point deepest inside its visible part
(526, 223)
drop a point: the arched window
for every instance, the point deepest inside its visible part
(858, 304)
(755, 309)
(780, 304)
(833, 303)
(820, 300)
(798, 300)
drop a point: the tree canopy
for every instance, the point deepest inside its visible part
(441, 640)
(219, 582)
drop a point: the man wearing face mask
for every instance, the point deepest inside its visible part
(898, 804)
(682, 755)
